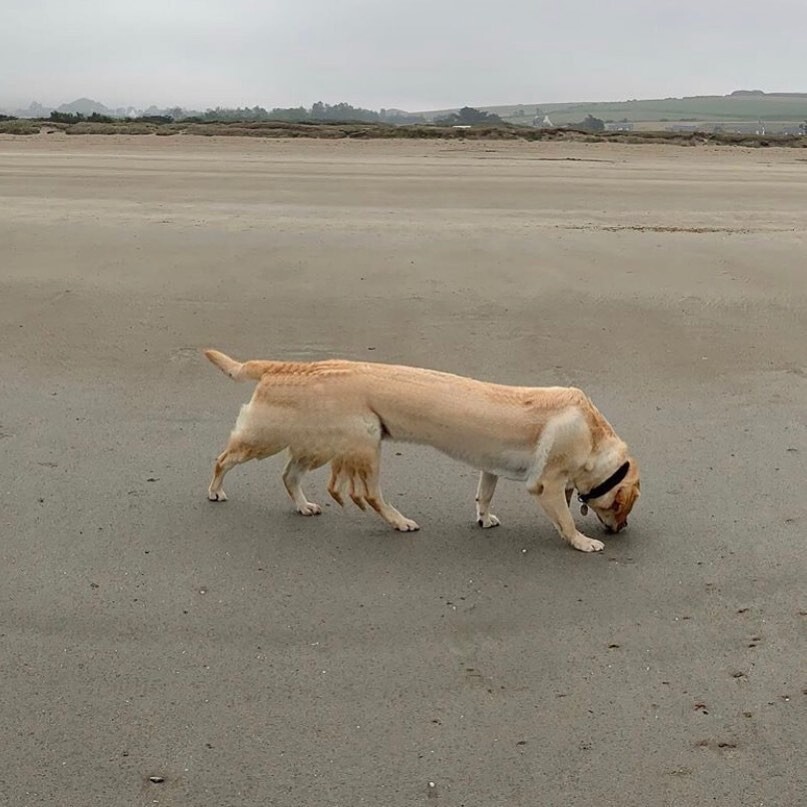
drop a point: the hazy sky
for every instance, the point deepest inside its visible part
(412, 54)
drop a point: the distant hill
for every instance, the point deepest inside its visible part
(33, 110)
(85, 106)
(741, 105)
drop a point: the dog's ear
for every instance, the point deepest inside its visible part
(625, 499)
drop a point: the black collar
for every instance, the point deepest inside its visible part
(604, 487)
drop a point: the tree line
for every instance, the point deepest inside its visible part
(318, 113)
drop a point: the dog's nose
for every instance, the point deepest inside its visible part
(622, 526)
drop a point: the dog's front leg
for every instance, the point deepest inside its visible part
(484, 493)
(552, 499)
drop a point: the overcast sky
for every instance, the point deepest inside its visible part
(410, 54)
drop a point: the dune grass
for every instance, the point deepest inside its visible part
(331, 131)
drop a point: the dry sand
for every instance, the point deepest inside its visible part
(252, 657)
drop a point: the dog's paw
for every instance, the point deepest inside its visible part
(309, 509)
(586, 544)
(217, 496)
(488, 521)
(407, 525)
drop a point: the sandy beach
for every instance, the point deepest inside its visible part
(243, 655)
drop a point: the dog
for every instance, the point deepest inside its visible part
(339, 412)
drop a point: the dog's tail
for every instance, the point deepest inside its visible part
(238, 371)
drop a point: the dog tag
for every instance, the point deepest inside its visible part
(583, 509)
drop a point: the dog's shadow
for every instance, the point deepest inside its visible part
(268, 528)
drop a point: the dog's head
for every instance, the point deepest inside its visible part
(613, 508)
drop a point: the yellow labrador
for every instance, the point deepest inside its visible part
(551, 438)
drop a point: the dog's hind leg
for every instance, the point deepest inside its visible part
(336, 481)
(292, 474)
(484, 493)
(237, 451)
(361, 468)
(375, 499)
(233, 455)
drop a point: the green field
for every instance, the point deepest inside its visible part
(714, 108)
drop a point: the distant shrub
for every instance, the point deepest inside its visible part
(468, 116)
(18, 127)
(65, 117)
(87, 127)
(77, 117)
(158, 119)
(591, 124)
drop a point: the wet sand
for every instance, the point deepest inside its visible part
(247, 655)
